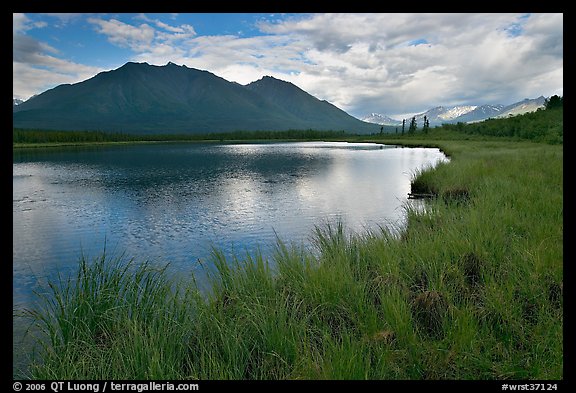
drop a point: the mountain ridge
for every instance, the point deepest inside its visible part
(464, 113)
(144, 98)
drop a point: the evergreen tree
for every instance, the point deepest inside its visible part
(553, 102)
(403, 125)
(426, 125)
(412, 127)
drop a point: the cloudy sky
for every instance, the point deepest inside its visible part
(394, 64)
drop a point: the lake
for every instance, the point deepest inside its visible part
(171, 203)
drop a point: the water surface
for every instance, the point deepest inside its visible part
(171, 203)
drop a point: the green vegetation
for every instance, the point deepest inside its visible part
(43, 138)
(472, 289)
(544, 125)
(541, 126)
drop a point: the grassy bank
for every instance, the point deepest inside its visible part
(473, 289)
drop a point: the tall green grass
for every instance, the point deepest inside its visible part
(115, 318)
(472, 289)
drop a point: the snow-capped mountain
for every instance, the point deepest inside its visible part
(456, 111)
(381, 119)
(441, 114)
(435, 116)
(462, 113)
(524, 106)
(480, 113)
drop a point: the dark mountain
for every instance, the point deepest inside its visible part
(305, 106)
(16, 102)
(141, 98)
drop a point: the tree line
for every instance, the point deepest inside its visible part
(28, 136)
(543, 125)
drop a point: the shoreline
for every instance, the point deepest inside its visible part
(366, 301)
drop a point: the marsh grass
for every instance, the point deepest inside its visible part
(472, 289)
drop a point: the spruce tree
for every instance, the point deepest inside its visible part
(426, 125)
(553, 102)
(412, 127)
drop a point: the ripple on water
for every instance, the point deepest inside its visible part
(173, 203)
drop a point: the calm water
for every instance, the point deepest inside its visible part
(173, 202)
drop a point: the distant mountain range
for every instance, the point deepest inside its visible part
(463, 113)
(143, 98)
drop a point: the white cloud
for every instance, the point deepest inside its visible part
(30, 79)
(467, 58)
(184, 31)
(20, 23)
(362, 63)
(35, 69)
(233, 58)
(136, 38)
